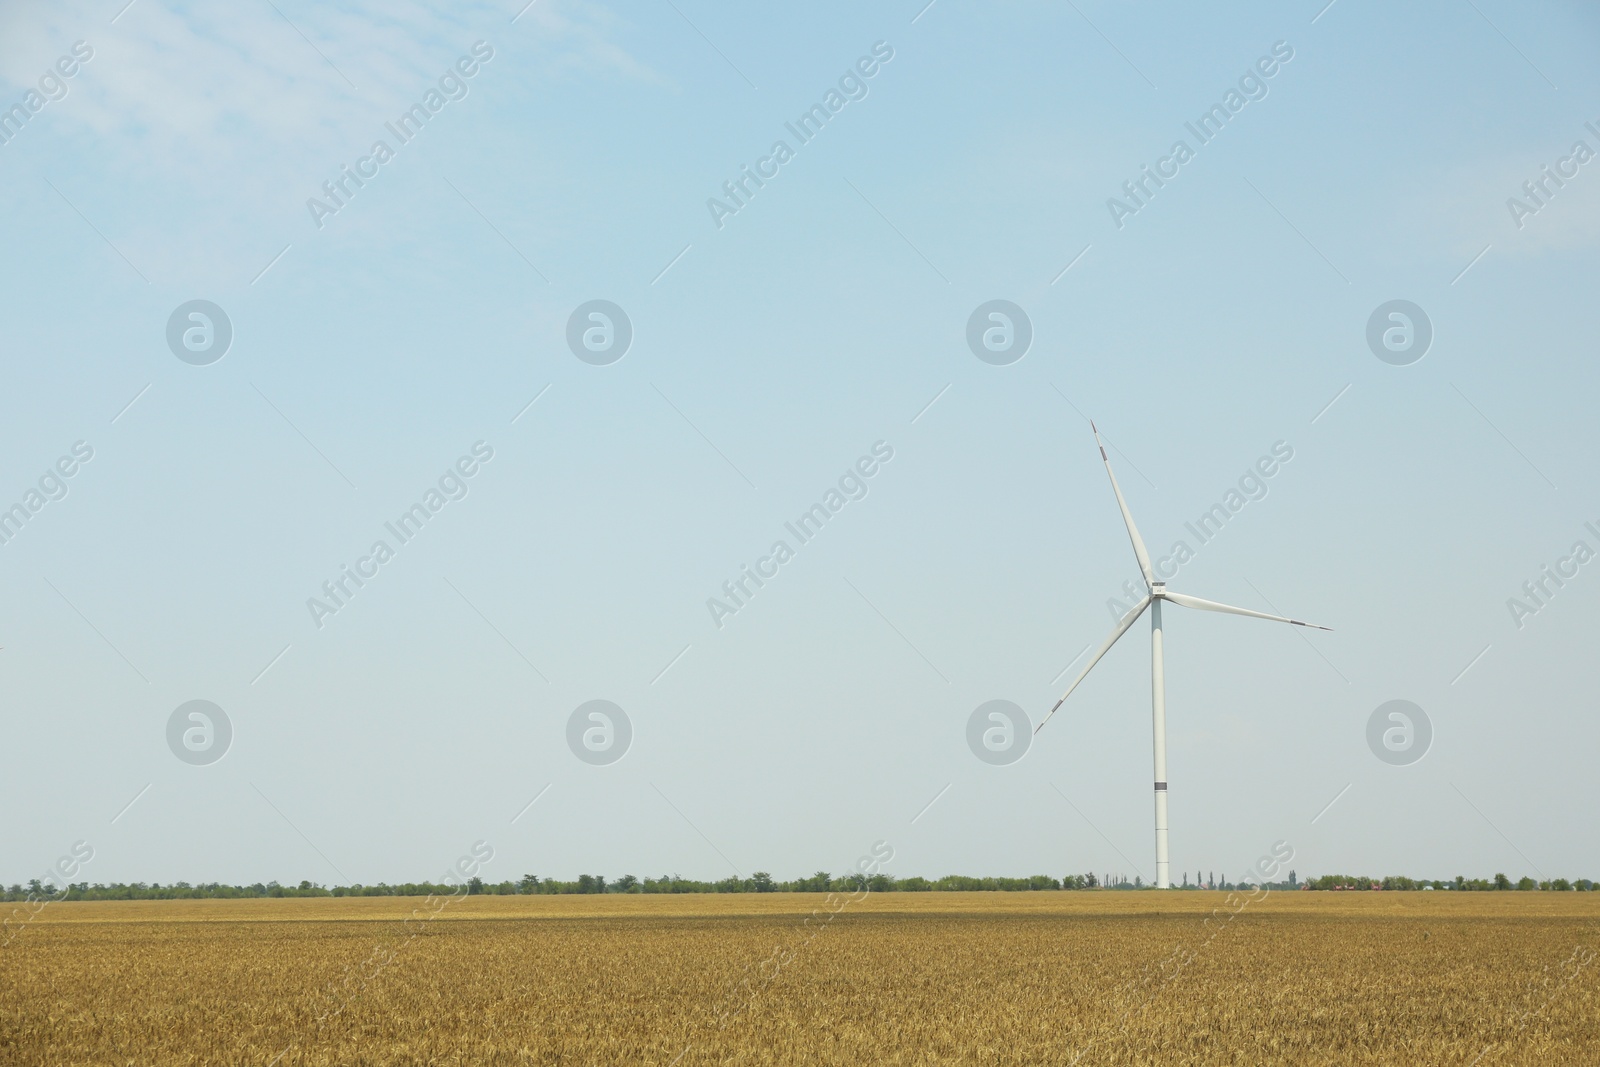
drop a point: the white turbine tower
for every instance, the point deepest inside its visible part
(1155, 593)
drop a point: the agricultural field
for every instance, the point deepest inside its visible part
(902, 978)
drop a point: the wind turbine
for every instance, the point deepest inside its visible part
(1155, 593)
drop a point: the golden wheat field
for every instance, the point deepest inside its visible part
(898, 978)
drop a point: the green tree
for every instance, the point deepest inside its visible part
(817, 883)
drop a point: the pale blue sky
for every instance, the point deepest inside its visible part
(768, 355)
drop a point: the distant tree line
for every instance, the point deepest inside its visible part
(759, 882)
(530, 884)
(1460, 882)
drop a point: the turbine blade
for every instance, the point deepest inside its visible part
(1212, 605)
(1121, 628)
(1133, 531)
